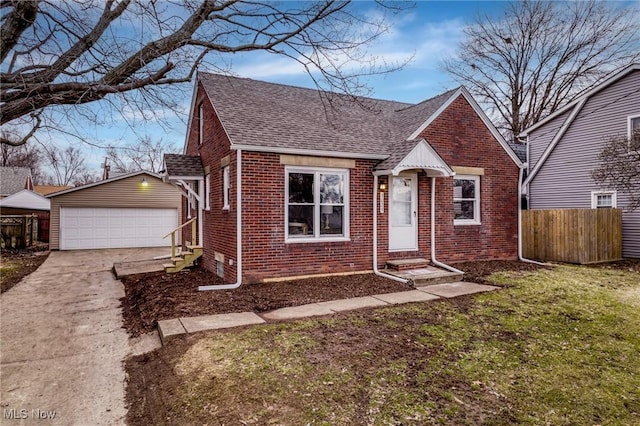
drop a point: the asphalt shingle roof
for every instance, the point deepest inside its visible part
(257, 113)
(13, 179)
(183, 165)
(520, 150)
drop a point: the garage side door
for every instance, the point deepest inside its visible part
(92, 228)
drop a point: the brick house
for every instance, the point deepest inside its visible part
(316, 183)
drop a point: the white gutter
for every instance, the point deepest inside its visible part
(522, 259)
(238, 283)
(375, 236)
(433, 231)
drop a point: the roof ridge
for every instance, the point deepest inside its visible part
(447, 93)
(390, 101)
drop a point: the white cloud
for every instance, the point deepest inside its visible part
(268, 66)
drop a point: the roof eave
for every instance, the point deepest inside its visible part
(615, 77)
(309, 152)
(100, 182)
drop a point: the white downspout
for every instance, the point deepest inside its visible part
(433, 231)
(522, 259)
(375, 236)
(201, 201)
(238, 282)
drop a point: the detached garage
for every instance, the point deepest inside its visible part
(131, 210)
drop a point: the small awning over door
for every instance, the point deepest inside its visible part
(414, 155)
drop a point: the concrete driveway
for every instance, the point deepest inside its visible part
(62, 344)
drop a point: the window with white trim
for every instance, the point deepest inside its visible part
(603, 200)
(316, 204)
(634, 132)
(226, 185)
(466, 200)
(200, 123)
(207, 192)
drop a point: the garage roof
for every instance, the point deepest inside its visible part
(100, 182)
(26, 199)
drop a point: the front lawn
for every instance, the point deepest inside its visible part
(553, 347)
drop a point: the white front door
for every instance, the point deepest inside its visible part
(403, 213)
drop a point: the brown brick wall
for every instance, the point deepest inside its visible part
(265, 253)
(462, 139)
(458, 135)
(219, 226)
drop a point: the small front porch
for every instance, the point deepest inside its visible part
(420, 272)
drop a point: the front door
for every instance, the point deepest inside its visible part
(403, 213)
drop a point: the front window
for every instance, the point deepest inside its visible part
(316, 204)
(603, 200)
(466, 200)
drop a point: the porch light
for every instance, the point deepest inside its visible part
(144, 182)
(383, 186)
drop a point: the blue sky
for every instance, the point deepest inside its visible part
(427, 33)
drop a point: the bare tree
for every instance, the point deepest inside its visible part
(144, 155)
(66, 165)
(541, 55)
(23, 156)
(619, 168)
(84, 177)
(58, 55)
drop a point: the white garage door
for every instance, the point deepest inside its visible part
(89, 228)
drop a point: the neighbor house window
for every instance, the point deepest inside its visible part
(226, 185)
(603, 200)
(207, 192)
(634, 132)
(200, 123)
(466, 200)
(316, 204)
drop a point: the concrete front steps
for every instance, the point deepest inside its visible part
(421, 272)
(183, 260)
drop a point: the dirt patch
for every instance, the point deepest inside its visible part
(477, 272)
(356, 361)
(631, 265)
(157, 296)
(17, 264)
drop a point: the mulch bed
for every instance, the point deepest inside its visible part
(157, 296)
(17, 264)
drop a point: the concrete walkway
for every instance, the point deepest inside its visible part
(62, 341)
(174, 327)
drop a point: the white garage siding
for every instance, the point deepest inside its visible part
(118, 212)
(93, 228)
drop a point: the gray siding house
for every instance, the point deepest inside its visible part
(563, 150)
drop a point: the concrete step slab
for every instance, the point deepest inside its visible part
(122, 269)
(295, 312)
(459, 288)
(404, 264)
(405, 297)
(215, 322)
(170, 328)
(352, 304)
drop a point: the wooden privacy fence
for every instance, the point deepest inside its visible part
(18, 231)
(572, 235)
